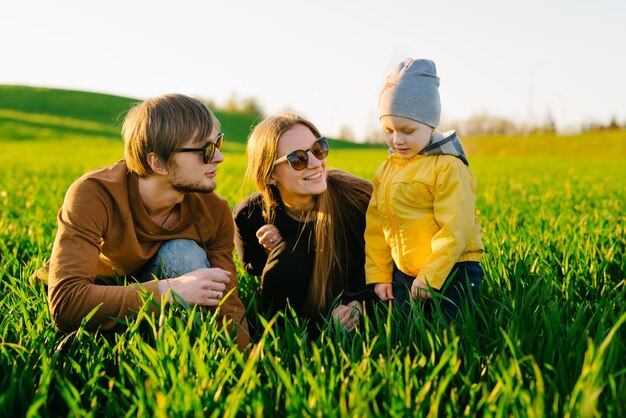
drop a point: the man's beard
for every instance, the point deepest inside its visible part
(192, 187)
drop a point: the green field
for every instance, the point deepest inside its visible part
(549, 337)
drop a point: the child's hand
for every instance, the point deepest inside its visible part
(384, 291)
(419, 290)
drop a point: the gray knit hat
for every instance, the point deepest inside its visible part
(411, 91)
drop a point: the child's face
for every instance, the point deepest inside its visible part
(405, 137)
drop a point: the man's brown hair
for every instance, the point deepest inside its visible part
(162, 125)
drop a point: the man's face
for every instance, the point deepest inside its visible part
(188, 173)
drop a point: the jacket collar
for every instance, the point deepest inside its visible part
(446, 143)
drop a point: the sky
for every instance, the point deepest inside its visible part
(327, 59)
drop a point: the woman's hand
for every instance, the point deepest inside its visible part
(269, 236)
(420, 290)
(384, 291)
(348, 315)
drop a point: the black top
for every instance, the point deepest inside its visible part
(248, 220)
(286, 271)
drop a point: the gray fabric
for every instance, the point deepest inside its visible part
(411, 91)
(448, 144)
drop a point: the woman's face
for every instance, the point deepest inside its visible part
(297, 188)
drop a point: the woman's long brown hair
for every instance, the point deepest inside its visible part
(344, 191)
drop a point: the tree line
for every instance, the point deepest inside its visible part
(481, 124)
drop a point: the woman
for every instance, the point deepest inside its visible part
(302, 232)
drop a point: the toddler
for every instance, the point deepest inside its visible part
(422, 234)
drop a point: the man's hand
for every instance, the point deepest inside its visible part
(384, 291)
(348, 315)
(419, 290)
(203, 287)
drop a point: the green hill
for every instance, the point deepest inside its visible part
(36, 113)
(45, 113)
(93, 107)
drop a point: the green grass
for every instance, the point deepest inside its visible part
(603, 145)
(549, 337)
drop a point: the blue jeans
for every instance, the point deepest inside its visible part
(460, 287)
(174, 258)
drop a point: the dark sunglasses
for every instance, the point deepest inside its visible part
(208, 150)
(299, 159)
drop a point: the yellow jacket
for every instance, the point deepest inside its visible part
(422, 217)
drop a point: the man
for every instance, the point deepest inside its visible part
(151, 216)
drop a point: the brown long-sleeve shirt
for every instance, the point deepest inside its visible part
(104, 229)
